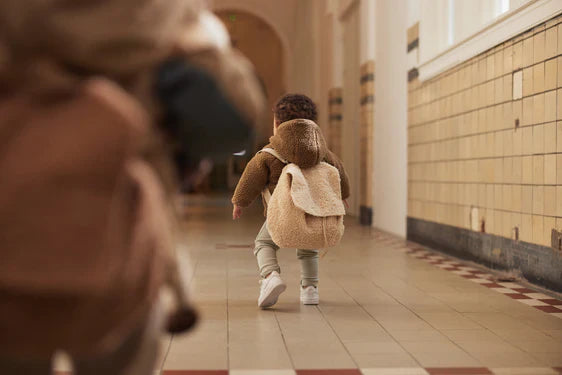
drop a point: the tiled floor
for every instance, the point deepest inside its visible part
(382, 311)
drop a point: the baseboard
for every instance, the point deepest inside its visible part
(540, 265)
(366, 215)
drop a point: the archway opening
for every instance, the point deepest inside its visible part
(260, 43)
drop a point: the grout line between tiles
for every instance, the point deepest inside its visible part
(335, 332)
(375, 319)
(165, 357)
(227, 312)
(284, 341)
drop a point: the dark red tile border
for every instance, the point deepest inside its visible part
(524, 290)
(329, 372)
(559, 369)
(549, 309)
(195, 372)
(459, 371)
(552, 301)
(517, 296)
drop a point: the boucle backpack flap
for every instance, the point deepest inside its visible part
(305, 210)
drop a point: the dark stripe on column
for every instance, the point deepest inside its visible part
(368, 77)
(414, 44)
(367, 99)
(413, 74)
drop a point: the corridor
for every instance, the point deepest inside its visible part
(433, 127)
(387, 307)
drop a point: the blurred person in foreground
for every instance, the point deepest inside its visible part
(97, 99)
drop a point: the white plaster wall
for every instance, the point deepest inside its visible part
(413, 12)
(304, 53)
(351, 23)
(390, 166)
(368, 30)
(434, 28)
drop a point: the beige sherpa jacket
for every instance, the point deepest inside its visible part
(298, 141)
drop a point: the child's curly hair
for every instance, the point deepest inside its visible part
(295, 106)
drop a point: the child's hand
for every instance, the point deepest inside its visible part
(346, 204)
(236, 212)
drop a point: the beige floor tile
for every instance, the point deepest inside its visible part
(380, 309)
(205, 348)
(464, 335)
(419, 335)
(311, 341)
(439, 354)
(555, 333)
(543, 346)
(395, 318)
(453, 320)
(385, 360)
(541, 321)
(394, 371)
(269, 352)
(468, 301)
(370, 347)
(523, 371)
(549, 359)
(517, 335)
(502, 359)
(455, 359)
(495, 320)
(488, 346)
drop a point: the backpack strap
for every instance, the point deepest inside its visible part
(271, 151)
(266, 193)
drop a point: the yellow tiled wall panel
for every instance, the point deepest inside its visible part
(475, 147)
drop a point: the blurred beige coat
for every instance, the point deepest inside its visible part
(85, 227)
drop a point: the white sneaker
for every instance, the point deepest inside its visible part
(309, 295)
(271, 289)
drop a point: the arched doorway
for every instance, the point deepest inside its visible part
(259, 42)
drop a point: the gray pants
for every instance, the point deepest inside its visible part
(266, 253)
(136, 356)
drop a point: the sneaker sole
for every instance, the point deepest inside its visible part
(273, 296)
(310, 302)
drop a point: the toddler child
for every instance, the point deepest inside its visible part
(296, 139)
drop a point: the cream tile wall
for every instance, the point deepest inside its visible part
(476, 147)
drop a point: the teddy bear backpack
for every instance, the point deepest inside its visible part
(306, 209)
